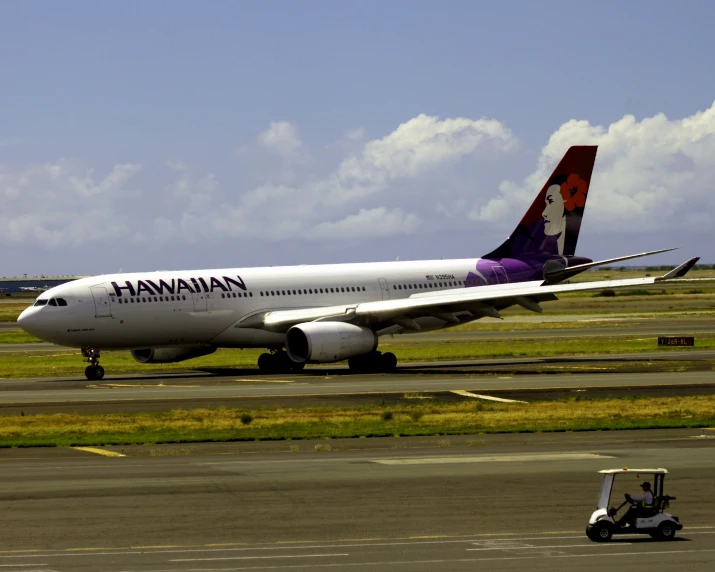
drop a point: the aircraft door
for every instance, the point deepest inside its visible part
(200, 303)
(384, 289)
(500, 275)
(102, 307)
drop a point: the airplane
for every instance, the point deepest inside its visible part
(330, 313)
(36, 289)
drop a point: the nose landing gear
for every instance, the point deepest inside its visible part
(93, 371)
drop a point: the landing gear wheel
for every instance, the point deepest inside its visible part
(374, 362)
(297, 366)
(265, 363)
(389, 362)
(278, 362)
(601, 532)
(94, 372)
(666, 531)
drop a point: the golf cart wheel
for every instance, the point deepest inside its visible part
(601, 532)
(666, 530)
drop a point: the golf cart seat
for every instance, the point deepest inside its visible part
(661, 503)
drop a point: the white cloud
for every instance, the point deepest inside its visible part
(651, 174)
(357, 134)
(375, 222)
(288, 208)
(281, 138)
(61, 203)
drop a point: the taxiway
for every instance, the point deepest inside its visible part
(506, 502)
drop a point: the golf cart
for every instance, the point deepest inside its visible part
(652, 520)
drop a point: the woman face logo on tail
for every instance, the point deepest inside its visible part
(559, 201)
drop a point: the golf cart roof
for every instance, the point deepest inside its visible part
(627, 470)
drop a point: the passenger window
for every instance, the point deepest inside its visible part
(250, 294)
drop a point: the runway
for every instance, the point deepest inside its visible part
(322, 386)
(502, 502)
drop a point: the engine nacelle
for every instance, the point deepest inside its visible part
(171, 355)
(328, 341)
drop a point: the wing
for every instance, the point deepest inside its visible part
(452, 306)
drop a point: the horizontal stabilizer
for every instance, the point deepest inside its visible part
(555, 272)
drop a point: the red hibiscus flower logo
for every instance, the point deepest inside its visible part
(574, 192)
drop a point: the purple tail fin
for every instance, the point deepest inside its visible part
(551, 225)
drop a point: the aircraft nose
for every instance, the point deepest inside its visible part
(27, 319)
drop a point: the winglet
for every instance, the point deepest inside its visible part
(680, 271)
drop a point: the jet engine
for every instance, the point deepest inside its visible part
(170, 355)
(328, 341)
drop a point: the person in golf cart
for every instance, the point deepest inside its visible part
(641, 507)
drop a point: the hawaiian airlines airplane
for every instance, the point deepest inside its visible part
(328, 313)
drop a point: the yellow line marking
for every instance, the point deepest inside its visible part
(98, 451)
(136, 386)
(444, 536)
(267, 380)
(464, 393)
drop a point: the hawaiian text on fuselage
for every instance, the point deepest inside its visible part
(177, 285)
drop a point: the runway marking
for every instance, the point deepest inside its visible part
(135, 386)
(464, 393)
(492, 459)
(267, 380)
(537, 547)
(449, 561)
(257, 557)
(98, 451)
(313, 544)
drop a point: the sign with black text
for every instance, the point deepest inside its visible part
(676, 341)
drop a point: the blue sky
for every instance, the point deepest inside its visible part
(158, 118)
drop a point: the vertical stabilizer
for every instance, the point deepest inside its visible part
(552, 223)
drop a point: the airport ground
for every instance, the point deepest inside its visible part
(498, 502)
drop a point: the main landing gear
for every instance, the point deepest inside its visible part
(278, 362)
(374, 362)
(93, 371)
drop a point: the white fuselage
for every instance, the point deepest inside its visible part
(159, 309)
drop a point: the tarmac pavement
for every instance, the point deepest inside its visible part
(503, 502)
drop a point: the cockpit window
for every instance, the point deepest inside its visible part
(41, 302)
(52, 302)
(61, 302)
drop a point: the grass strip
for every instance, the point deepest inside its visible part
(70, 363)
(17, 337)
(410, 419)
